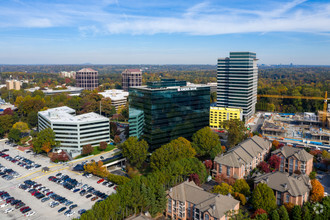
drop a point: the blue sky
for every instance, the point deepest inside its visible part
(163, 31)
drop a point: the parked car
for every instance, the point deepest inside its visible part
(61, 209)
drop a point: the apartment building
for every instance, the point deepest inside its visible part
(293, 159)
(219, 114)
(287, 188)
(237, 80)
(87, 78)
(188, 201)
(241, 159)
(131, 77)
(74, 131)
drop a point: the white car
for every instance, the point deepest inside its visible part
(9, 210)
(71, 213)
(4, 205)
(30, 213)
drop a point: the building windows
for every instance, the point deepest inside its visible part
(291, 166)
(169, 205)
(296, 165)
(220, 168)
(207, 217)
(287, 199)
(189, 209)
(278, 198)
(228, 171)
(303, 167)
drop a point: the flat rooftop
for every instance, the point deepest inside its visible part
(114, 94)
(66, 114)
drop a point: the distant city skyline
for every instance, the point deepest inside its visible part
(163, 32)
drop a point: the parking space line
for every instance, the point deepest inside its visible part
(29, 174)
(37, 177)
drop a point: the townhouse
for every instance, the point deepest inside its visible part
(287, 188)
(243, 158)
(188, 201)
(293, 159)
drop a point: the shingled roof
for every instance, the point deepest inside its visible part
(295, 185)
(244, 152)
(217, 205)
(299, 153)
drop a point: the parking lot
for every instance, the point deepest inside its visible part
(60, 187)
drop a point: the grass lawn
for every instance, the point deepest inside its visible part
(97, 151)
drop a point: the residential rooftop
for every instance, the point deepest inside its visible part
(299, 153)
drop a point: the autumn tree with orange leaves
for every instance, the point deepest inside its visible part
(317, 192)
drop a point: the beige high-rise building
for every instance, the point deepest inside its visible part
(13, 84)
(87, 78)
(131, 77)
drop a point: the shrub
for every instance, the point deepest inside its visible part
(87, 149)
(240, 197)
(317, 192)
(258, 212)
(119, 180)
(103, 146)
(289, 206)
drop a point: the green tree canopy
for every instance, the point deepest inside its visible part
(44, 136)
(14, 134)
(283, 213)
(32, 119)
(206, 143)
(223, 189)
(175, 150)
(21, 126)
(236, 131)
(241, 186)
(296, 212)
(135, 151)
(263, 198)
(274, 215)
(6, 122)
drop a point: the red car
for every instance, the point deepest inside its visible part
(22, 209)
(100, 181)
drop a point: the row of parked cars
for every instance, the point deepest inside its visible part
(8, 174)
(21, 161)
(45, 194)
(6, 199)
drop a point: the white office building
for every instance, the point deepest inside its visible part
(237, 81)
(118, 97)
(74, 131)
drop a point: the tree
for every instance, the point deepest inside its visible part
(117, 139)
(236, 131)
(312, 175)
(87, 149)
(206, 143)
(103, 145)
(306, 213)
(208, 164)
(283, 213)
(44, 136)
(113, 129)
(258, 212)
(135, 151)
(263, 216)
(14, 135)
(213, 97)
(274, 162)
(275, 143)
(240, 197)
(263, 198)
(274, 215)
(175, 150)
(32, 119)
(296, 212)
(97, 169)
(264, 167)
(46, 147)
(223, 189)
(6, 122)
(289, 206)
(194, 177)
(2, 132)
(317, 192)
(241, 186)
(22, 126)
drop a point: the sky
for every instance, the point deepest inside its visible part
(163, 31)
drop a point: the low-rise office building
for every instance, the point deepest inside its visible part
(188, 201)
(287, 188)
(220, 114)
(242, 159)
(13, 84)
(118, 97)
(293, 159)
(74, 131)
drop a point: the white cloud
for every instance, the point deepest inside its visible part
(203, 18)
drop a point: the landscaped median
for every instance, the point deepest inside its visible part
(96, 150)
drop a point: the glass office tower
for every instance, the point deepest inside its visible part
(171, 109)
(237, 78)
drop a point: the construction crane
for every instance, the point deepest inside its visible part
(325, 101)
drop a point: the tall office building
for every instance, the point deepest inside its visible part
(171, 109)
(87, 78)
(237, 77)
(131, 77)
(13, 84)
